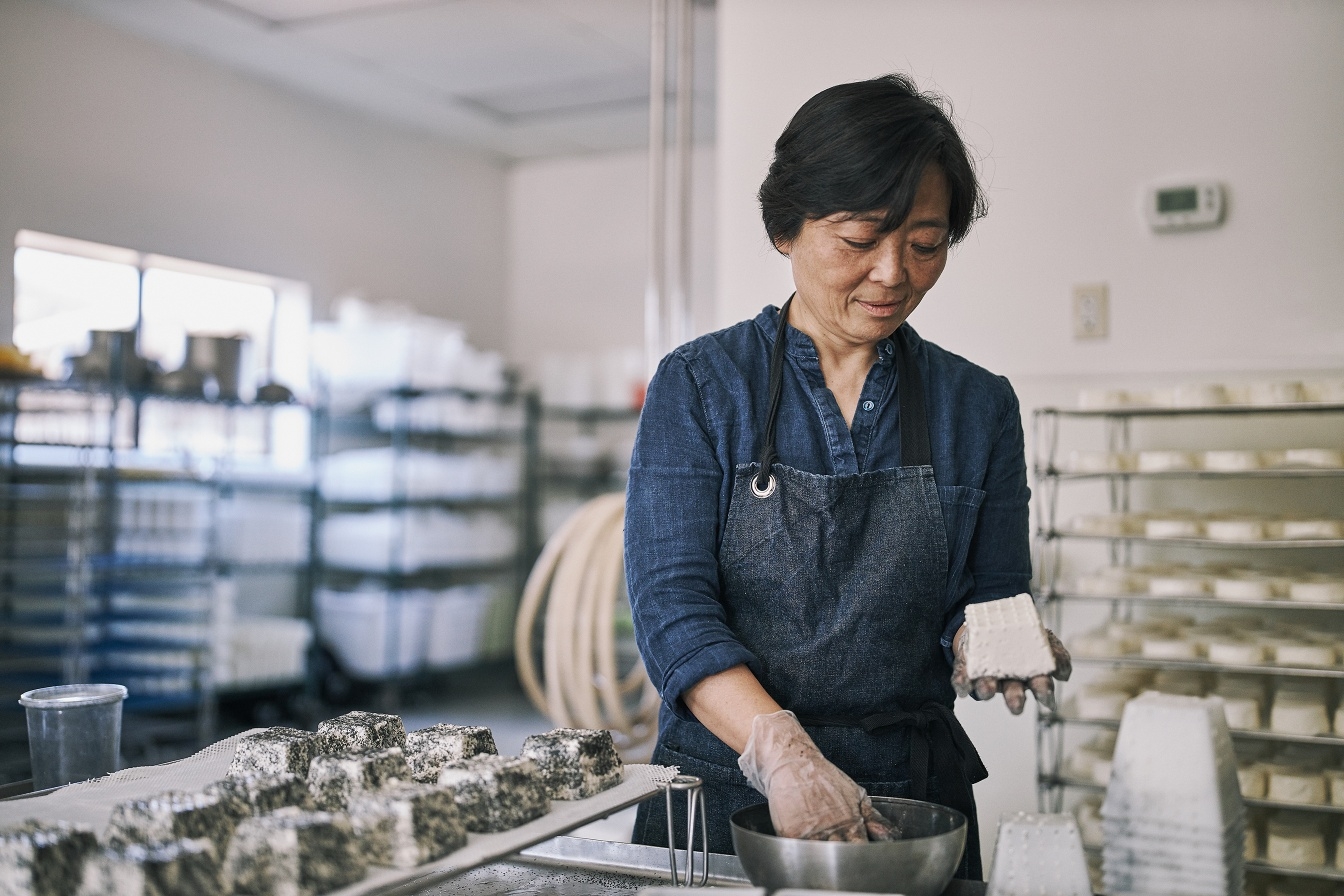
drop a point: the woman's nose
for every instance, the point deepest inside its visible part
(888, 264)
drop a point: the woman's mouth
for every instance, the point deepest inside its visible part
(880, 310)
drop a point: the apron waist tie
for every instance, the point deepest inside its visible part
(955, 761)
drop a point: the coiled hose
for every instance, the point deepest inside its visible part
(579, 579)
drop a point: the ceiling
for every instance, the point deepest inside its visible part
(517, 78)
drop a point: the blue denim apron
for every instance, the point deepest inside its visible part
(836, 584)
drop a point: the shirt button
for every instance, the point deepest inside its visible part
(868, 405)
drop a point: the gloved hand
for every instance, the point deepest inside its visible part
(1014, 689)
(809, 797)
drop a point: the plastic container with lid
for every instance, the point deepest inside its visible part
(74, 732)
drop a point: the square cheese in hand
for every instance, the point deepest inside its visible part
(1005, 639)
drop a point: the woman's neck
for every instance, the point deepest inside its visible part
(844, 363)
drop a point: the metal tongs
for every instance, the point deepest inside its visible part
(695, 805)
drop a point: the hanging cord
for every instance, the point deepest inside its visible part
(575, 587)
(764, 483)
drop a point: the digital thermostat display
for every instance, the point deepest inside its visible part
(1188, 206)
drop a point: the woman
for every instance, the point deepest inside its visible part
(816, 494)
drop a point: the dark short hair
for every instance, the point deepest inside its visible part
(862, 147)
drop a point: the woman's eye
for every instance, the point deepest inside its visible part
(860, 244)
(925, 250)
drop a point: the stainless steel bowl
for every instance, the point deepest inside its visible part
(921, 863)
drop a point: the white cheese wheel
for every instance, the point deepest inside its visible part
(1252, 779)
(1312, 529)
(1100, 462)
(1296, 715)
(1107, 525)
(1235, 529)
(1276, 393)
(1102, 399)
(1164, 648)
(1231, 461)
(1289, 653)
(1339, 722)
(1188, 584)
(1199, 395)
(1105, 582)
(1243, 713)
(1166, 461)
(1176, 681)
(1317, 458)
(1099, 645)
(1243, 587)
(1289, 784)
(1251, 850)
(1330, 391)
(1300, 843)
(1233, 651)
(1172, 527)
(1317, 589)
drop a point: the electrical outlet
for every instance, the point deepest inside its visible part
(1091, 311)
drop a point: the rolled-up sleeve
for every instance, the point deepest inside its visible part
(677, 479)
(999, 559)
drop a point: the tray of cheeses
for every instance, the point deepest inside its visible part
(357, 808)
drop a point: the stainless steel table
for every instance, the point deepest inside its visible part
(572, 866)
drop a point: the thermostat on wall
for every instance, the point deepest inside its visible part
(1186, 206)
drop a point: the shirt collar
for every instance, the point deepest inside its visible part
(800, 345)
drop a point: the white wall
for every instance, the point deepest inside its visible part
(578, 253)
(1073, 107)
(109, 138)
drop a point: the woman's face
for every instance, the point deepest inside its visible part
(856, 285)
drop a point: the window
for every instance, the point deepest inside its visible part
(66, 289)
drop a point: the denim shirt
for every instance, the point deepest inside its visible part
(703, 416)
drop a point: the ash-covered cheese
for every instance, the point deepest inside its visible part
(293, 853)
(430, 749)
(334, 780)
(407, 824)
(360, 732)
(176, 815)
(265, 793)
(495, 793)
(575, 763)
(274, 751)
(167, 869)
(43, 859)
(1005, 639)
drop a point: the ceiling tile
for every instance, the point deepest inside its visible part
(627, 88)
(471, 46)
(286, 11)
(516, 78)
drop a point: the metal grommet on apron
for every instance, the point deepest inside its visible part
(837, 585)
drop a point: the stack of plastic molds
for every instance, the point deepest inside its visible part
(1173, 818)
(1038, 854)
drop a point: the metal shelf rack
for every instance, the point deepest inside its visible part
(401, 433)
(95, 585)
(1052, 538)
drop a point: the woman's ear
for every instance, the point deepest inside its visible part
(783, 247)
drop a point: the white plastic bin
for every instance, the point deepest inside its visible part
(373, 633)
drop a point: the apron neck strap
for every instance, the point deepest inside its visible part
(916, 450)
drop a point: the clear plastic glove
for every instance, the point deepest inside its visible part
(1014, 690)
(809, 797)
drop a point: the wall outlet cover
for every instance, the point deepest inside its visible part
(1091, 311)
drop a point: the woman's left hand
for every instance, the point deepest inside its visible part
(1014, 690)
